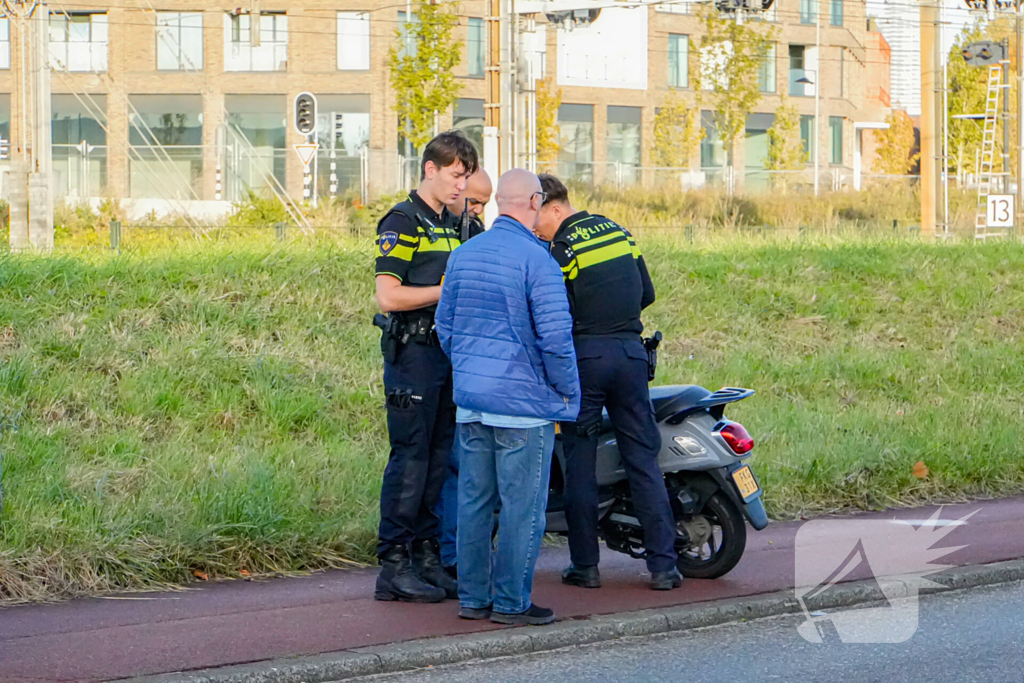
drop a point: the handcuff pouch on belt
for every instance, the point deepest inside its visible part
(651, 346)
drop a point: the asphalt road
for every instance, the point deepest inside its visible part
(973, 635)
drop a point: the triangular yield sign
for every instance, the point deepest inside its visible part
(306, 152)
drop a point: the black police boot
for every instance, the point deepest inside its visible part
(426, 560)
(666, 581)
(398, 581)
(587, 577)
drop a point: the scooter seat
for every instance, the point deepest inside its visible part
(667, 402)
(675, 399)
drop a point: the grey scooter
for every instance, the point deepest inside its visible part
(711, 487)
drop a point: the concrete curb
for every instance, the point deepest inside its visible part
(397, 657)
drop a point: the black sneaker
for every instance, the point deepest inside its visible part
(475, 613)
(587, 577)
(666, 581)
(535, 616)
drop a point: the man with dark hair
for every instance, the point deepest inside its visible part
(414, 240)
(608, 286)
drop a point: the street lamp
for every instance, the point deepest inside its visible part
(816, 138)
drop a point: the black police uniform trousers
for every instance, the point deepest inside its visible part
(421, 429)
(613, 374)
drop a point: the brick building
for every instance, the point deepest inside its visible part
(193, 77)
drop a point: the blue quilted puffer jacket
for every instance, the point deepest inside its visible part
(504, 321)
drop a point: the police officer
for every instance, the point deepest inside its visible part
(467, 210)
(470, 205)
(414, 241)
(608, 286)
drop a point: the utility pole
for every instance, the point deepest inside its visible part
(492, 106)
(1007, 176)
(40, 189)
(29, 181)
(931, 42)
(1020, 113)
(816, 146)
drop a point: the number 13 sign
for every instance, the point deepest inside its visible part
(999, 213)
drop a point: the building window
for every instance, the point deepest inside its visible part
(175, 122)
(179, 41)
(469, 118)
(271, 54)
(836, 14)
(261, 120)
(678, 60)
(835, 123)
(79, 145)
(624, 141)
(842, 72)
(343, 130)
(808, 11)
(5, 121)
(353, 41)
(712, 149)
(807, 136)
(756, 149)
(78, 42)
(576, 138)
(408, 29)
(798, 72)
(766, 76)
(5, 43)
(476, 47)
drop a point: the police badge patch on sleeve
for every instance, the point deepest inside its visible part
(388, 241)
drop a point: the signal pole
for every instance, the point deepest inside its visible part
(931, 41)
(1020, 113)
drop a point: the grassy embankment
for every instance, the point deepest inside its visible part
(220, 410)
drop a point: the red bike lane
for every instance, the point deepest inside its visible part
(235, 622)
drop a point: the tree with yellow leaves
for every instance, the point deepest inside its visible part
(548, 102)
(896, 145)
(677, 132)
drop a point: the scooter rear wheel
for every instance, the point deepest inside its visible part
(720, 553)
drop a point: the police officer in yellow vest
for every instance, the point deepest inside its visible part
(414, 241)
(608, 286)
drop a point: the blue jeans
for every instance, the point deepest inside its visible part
(513, 467)
(447, 510)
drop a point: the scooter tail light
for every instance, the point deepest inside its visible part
(737, 437)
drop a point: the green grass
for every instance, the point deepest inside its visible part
(221, 409)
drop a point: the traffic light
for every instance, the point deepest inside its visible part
(305, 113)
(984, 53)
(339, 131)
(730, 6)
(997, 5)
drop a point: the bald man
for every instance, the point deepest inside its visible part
(504, 322)
(470, 204)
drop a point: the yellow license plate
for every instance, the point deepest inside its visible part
(744, 479)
